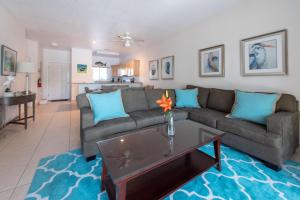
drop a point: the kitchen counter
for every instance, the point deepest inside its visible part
(79, 88)
(108, 82)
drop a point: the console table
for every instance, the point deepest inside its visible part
(19, 99)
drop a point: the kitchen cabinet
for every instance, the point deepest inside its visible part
(131, 68)
(114, 70)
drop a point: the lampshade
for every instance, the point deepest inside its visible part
(26, 67)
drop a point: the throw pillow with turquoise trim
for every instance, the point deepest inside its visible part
(106, 106)
(254, 107)
(187, 98)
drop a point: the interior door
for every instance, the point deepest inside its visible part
(58, 81)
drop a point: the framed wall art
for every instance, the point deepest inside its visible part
(153, 70)
(81, 68)
(264, 55)
(167, 68)
(8, 61)
(211, 61)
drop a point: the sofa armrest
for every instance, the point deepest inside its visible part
(86, 118)
(285, 124)
(82, 101)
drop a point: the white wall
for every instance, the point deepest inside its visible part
(32, 55)
(82, 56)
(12, 34)
(52, 55)
(246, 20)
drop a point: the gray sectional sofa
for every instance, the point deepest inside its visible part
(273, 143)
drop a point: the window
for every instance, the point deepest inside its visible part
(100, 74)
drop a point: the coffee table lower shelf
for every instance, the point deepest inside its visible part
(162, 181)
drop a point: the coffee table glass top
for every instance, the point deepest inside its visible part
(130, 154)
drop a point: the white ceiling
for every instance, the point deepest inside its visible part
(75, 23)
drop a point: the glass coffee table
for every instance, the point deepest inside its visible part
(149, 164)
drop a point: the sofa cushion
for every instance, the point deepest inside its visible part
(207, 116)
(147, 118)
(134, 99)
(203, 94)
(189, 111)
(82, 100)
(221, 100)
(152, 96)
(178, 114)
(187, 98)
(252, 106)
(252, 131)
(108, 127)
(172, 95)
(106, 106)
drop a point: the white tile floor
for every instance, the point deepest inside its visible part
(56, 130)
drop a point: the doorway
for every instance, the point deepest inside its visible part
(58, 81)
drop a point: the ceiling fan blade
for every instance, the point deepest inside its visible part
(138, 40)
(117, 41)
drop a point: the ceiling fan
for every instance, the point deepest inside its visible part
(127, 40)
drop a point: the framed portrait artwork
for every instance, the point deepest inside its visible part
(167, 68)
(8, 61)
(153, 70)
(264, 55)
(211, 61)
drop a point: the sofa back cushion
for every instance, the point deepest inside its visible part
(134, 99)
(287, 103)
(153, 95)
(203, 94)
(221, 100)
(172, 95)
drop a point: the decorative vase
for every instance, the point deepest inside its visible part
(170, 120)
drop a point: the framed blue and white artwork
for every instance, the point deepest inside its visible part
(264, 55)
(211, 61)
(153, 70)
(167, 68)
(81, 68)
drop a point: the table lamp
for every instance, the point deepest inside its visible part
(28, 68)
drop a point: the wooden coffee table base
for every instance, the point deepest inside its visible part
(159, 182)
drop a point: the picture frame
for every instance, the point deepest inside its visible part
(82, 68)
(154, 69)
(167, 68)
(8, 61)
(212, 61)
(265, 55)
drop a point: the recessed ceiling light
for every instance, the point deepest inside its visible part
(94, 41)
(54, 44)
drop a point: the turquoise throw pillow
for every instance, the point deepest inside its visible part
(255, 107)
(107, 106)
(187, 98)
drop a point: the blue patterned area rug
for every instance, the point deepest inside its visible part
(69, 176)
